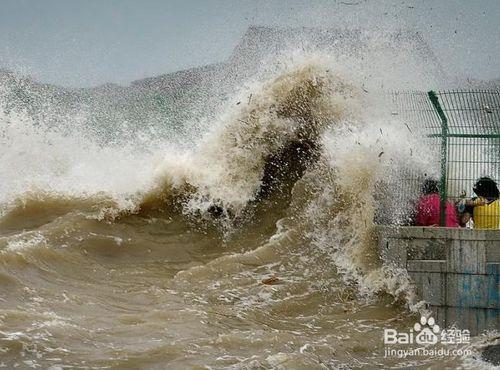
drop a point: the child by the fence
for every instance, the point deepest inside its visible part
(485, 208)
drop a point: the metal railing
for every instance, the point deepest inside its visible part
(466, 126)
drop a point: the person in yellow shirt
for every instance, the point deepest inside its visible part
(485, 208)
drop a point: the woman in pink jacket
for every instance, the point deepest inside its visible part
(429, 207)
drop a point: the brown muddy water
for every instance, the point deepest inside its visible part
(197, 267)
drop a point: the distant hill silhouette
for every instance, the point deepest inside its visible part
(184, 95)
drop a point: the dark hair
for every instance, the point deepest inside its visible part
(430, 186)
(486, 187)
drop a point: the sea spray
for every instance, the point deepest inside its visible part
(118, 254)
(304, 103)
(227, 167)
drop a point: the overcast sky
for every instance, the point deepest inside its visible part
(84, 43)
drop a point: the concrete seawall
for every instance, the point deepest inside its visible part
(456, 271)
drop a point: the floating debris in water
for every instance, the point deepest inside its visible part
(270, 281)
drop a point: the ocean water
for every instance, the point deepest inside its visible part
(243, 240)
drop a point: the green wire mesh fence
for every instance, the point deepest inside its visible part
(465, 126)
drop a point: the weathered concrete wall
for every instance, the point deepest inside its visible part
(456, 271)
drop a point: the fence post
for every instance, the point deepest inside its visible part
(444, 155)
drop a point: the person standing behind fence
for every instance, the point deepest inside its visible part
(429, 207)
(485, 209)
